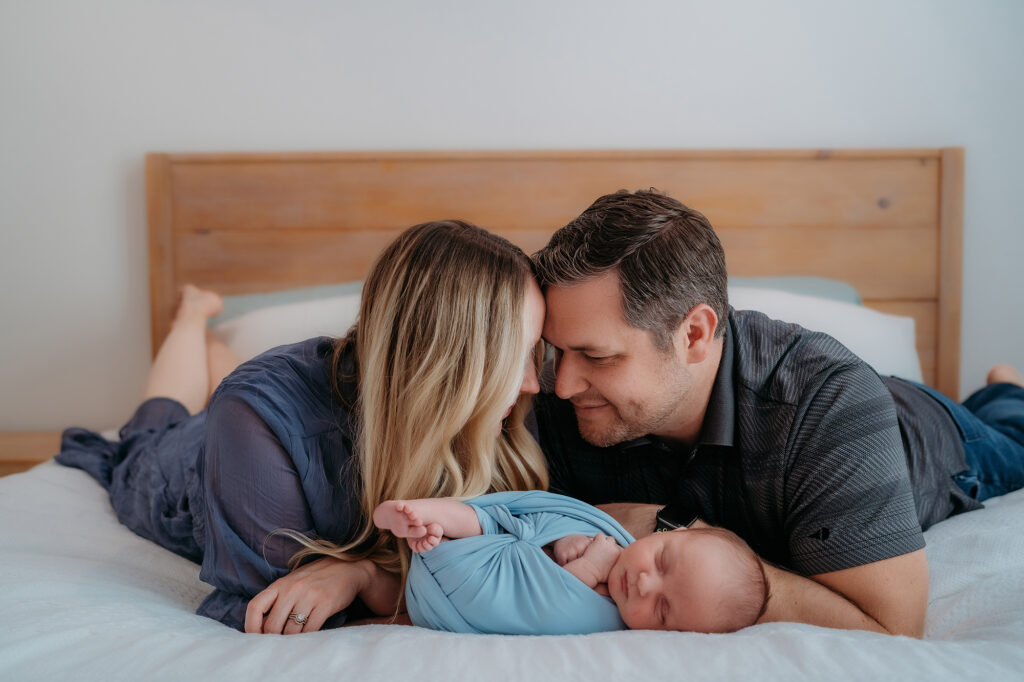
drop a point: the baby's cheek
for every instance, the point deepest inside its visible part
(636, 620)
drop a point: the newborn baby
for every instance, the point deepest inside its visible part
(699, 580)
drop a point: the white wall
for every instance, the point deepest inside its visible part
(88, 87)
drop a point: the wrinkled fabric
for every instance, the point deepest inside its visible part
(502, 582)
(273, 451)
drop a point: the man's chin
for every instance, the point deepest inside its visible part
(603, 436)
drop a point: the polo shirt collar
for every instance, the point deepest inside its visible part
(720, 419)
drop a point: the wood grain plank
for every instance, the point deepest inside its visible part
(22, 450)
(895, 264)
(265, 260)
(871, 217)
(882, 264)
(162, 284)
(558, 154)
(531, 194)
(951, 211)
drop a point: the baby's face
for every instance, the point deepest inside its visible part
(669, 581)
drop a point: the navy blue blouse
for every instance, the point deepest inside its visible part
(276, 454)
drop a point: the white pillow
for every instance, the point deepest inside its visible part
(251, 333)
(886, 342)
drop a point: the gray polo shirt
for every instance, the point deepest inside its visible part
(801, 453)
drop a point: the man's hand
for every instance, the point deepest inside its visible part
(638, 519)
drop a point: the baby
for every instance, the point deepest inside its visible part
(697, 580)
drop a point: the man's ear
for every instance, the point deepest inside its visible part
(696, 334)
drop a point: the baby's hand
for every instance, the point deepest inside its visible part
(593, 566)
(570, 548)
(400, 517)
(602, 553)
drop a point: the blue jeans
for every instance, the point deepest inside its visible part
(991, 424)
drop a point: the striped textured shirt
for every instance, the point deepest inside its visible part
(801, 453)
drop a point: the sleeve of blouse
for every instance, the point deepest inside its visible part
(251, 489)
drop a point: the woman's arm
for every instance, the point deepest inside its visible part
(320, 589)
(251, 489)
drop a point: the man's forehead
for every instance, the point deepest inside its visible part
(583, 333)
(603, 288)
(595, 305)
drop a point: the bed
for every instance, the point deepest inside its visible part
(81, 597)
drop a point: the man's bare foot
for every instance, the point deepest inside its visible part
(196, 303)
(399, 517)
(1004, 374)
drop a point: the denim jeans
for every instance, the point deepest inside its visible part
(991, 424)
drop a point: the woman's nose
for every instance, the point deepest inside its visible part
(530, 385)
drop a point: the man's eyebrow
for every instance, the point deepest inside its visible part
(585, 347)
(592, 348)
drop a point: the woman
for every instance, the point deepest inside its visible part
(423, 398)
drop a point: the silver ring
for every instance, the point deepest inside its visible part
(299, 618)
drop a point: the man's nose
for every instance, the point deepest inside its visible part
(569, 379)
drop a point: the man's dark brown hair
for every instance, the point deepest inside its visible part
(667, 255)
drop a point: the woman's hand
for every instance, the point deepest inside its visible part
(317, 590)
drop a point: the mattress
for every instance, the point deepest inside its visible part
(83, 598)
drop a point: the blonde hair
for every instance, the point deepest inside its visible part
(440, 354)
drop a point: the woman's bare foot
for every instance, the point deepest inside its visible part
(194, 303)
(1004, 374)
(181, 370)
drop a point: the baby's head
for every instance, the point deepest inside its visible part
(694, 580)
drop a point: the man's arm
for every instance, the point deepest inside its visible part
(848, 506)
(893, 592)
(638, 519)
(888, 596)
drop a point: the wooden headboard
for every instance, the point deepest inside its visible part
(887, 221)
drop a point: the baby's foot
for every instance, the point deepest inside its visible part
(1004, 374)
(194, 302)
(398, 517)
(429, 541)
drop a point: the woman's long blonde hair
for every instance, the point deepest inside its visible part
(440, 356)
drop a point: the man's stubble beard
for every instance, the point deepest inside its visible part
(640, 418)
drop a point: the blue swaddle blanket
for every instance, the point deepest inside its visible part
(502, 582)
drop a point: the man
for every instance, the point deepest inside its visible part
(672, 407)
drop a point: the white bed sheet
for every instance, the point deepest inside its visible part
(83, 598)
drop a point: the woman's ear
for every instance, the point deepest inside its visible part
(696, 334)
